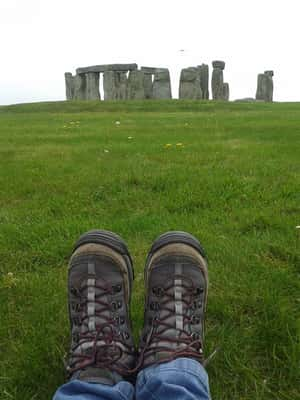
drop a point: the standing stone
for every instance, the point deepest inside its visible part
(92, 86)
(121, 85)
(162, 84)
(109, 85)
(217, 81)
(135, 87)
(80, 87)
(225, 91)
(261, 87)
(148, 85)
(190, 86)
(219, 91)
(204, 79)
(270, 91)
(115, 85)
(69, 79)
(265, 86)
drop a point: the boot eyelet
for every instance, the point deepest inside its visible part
(120, 320)
(75, 337)
(195, 336)
(196, 304)
(195, 320)
(117, 288)
(154, 306)
(73, 291)
(158, 291)
(125, 335)
(198, 291)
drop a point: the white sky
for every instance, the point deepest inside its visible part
(42, 39)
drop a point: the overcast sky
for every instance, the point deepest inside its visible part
(42, 39)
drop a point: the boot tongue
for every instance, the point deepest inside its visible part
(92, 292)
(174, 319)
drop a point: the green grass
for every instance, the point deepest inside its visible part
(234, 183)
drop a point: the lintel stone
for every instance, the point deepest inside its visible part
(107, 67)
(218, 64)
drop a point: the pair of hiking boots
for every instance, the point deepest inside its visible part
(99, 287)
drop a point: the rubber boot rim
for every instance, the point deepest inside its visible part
(112, 240)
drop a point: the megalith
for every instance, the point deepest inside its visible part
(265, 86)
(162, 84)
(190, 86)
(69, 80)
(80, 87)
(148, 85)
(109, 85)
(115, 85)
(225, 91)
(92, 86)
(219, 91)
(217, 80)
(135, 86)
(121, 85)
(204, 80)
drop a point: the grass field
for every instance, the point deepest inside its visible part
(227, 172)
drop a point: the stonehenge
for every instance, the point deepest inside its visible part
(161, 84)
(129, 82)
(120, 82)
(115, 85)
(194, 83)
(204, 78)
(220, 90)
(92, 86)
(190, 85)
(69, 79)
(135, 85)
(265, 86)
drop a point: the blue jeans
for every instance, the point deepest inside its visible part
(183, 379)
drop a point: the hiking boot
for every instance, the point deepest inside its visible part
(99, 286)
(176, 280)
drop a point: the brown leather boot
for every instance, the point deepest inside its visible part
(100, 281)
(176, 279)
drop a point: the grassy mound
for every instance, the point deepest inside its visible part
(226, 172)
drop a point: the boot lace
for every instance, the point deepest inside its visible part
(188, 344)
(105, 345)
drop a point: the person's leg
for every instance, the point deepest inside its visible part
(183, 379)
(171, 347)
(80, 390)
(102, 353)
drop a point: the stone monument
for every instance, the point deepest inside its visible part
(148, 81)
(69, 80)
(219, 91)
(204, 79)
(92, 86)
(190, 84)
(79, 87)
(265, 86)
(115, 85)
(162, 84)
(135, 86)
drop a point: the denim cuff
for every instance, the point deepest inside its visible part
(179, 367)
